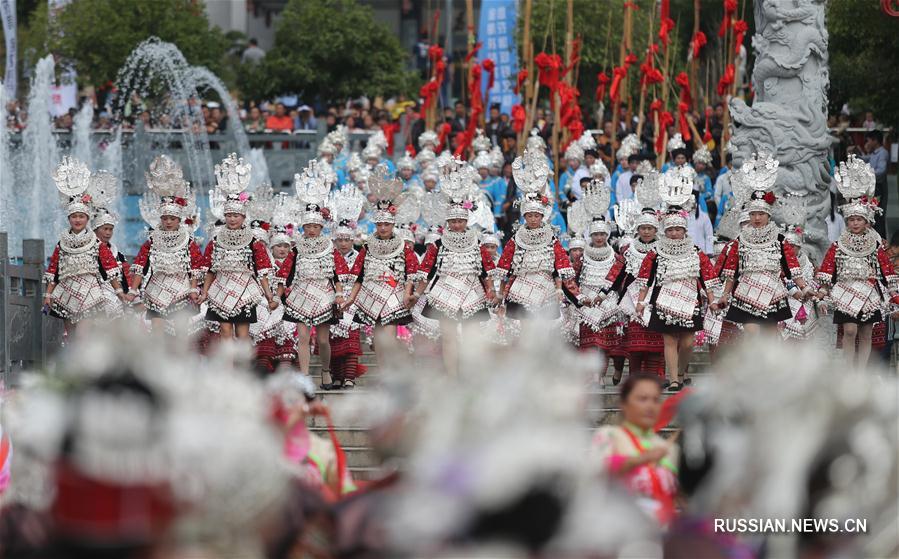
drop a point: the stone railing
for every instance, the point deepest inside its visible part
(26, 337)
(285, 153)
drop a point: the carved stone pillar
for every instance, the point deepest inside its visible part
(788, 115)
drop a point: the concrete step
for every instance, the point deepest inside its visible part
(348, 436)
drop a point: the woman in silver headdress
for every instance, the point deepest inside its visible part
(80, 264)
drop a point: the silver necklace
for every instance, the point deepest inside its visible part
(857, 245)
(459, 242)
(233, 239)
(533, 238)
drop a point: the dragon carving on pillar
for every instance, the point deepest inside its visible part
(788, 115)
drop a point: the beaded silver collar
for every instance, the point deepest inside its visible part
(675, 248)
(533, 238)
(859, 246)
(385, 248)
(758, 237)
(233, 239)
(170, 241)
(459, 242)
(599, 254)
(77, 243)
(642, 247)
(314, 246)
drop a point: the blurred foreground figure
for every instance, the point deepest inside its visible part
(135, 448)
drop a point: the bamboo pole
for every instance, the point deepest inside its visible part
(660, 158)
(622, 53)
(466, 66)
(694, 63)
(730, 39)
(527, 51)
(558, 135)
(644, 86)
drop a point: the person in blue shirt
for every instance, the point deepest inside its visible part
(575, 170)
(492, 186)
(405, 166)
(675, 145)
(702, 161)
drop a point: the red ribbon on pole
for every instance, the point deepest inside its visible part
(726, 80)
(474, 89)
(615, 91)
(603, 81)
(474, 51)
(518, 117)
(389, 131)
(699, 41)
(664, 9)
(665, 120)
(651, 76)
(730, 7)
(740, 28)
(435, 53)
(683, 80)
(667, 24)
(490, 68)
(427, 93)
(707, 137)
(575, 56)
(442, 134)
(522, 76)
(682, 109)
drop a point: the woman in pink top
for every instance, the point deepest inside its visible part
(633, 452)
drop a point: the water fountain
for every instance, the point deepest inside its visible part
(155, 72)
(81, 135)
(38, 212)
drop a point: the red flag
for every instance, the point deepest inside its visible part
(669, 409)
(707, 137)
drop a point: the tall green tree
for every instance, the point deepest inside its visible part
(96, 36)
(864, 58)
(329, 50)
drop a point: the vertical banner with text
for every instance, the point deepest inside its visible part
(8, 16)
(496, 31)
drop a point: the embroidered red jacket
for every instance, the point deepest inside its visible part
(142, 260)
(827, 273)
(409, 258)
(426, 267)
(107, 263)
(260, 265)
(286, 268)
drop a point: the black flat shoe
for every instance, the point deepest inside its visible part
(675, 386)
(349, 384)
(666, 384)
(329, 385)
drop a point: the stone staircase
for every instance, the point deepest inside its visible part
(602, 409)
